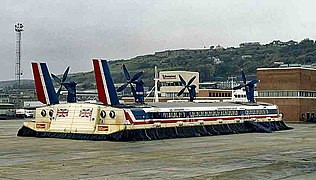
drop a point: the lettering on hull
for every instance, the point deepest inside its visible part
(103, 128)
(41, 126)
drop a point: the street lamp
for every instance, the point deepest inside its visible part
(18, 27)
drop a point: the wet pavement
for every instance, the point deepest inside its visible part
(280, 155)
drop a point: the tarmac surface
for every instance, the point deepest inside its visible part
(280, 155)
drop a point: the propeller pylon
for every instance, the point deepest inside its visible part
(70, 86)
(189, 86)
(249, 87)
(61, 81)
(137, 94)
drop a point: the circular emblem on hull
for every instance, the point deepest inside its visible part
(43, 113)
(51, 112)
(103, 114)
(112, 114)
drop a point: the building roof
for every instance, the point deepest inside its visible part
(286, 68)
(177, 72)
(181, 104)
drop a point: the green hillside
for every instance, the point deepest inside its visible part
(214, 63)
(218, 63)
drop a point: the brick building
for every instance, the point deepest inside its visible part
(293, 89)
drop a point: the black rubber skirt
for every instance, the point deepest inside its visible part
(165, 133)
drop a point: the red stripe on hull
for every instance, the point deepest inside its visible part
(127, 116)
(38, 84)
(99, 81)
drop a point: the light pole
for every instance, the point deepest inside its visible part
(18, 29)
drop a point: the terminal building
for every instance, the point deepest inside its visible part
(205, 91)
(171, 85)
(292, 88)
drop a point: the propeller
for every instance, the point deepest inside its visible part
(191, 88)
(130, 81)
(70, 86)
(249, 87)
(61, 82)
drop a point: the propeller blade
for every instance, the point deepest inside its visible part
(253, 82)
(136, 76)
(121, 88)
(243, 76)
(182, 80)
(56, 78)
(65, 74)
(126, 74)
(181, 92)
(191, 80)
(238, 87)
(58, 92)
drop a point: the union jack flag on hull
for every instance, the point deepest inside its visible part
(62, 112)
(85, 113)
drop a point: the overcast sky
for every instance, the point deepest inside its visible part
(72, 32)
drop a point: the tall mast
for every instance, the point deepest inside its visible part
(18, 29)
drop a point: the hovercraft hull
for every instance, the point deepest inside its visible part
(164, 133)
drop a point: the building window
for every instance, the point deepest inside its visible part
(172, 83)
(287, 94)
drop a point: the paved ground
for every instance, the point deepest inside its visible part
(280, 155)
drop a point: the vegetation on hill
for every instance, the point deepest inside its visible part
(214, 63)
(218, 63)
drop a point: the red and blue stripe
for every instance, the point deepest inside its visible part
(43, 84)
(105, 86)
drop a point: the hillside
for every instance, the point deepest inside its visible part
(214, 63)
(217, 63)
(12, 84)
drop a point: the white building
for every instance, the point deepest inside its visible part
(171, 84)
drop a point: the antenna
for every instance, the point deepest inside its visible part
(156, 79)
(232, 85)
(18, 29)
(156, 85)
